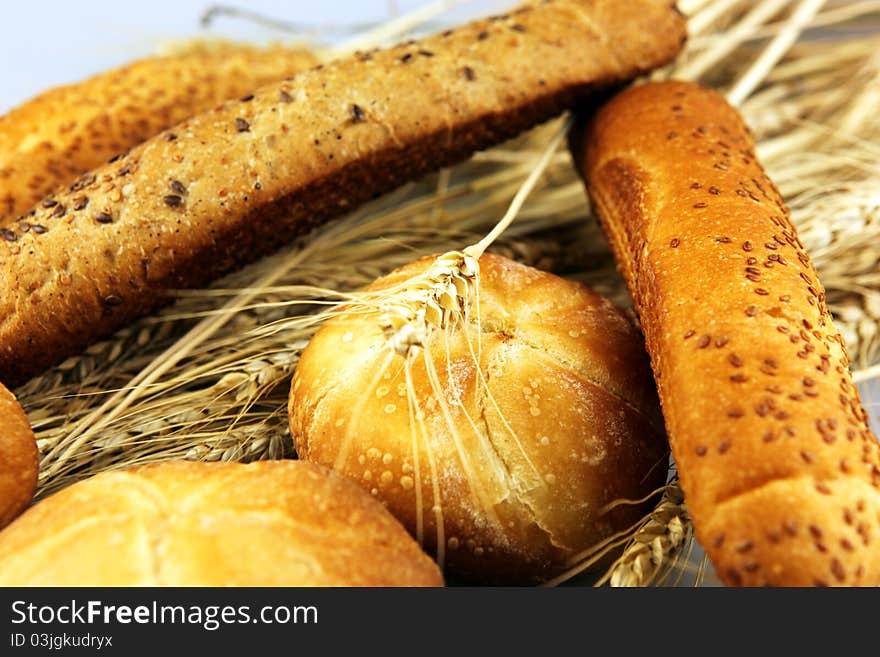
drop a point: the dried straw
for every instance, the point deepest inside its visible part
(207, 379)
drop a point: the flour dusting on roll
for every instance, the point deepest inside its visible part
(495, 409)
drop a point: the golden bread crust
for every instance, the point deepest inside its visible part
(780, 470)
(52, 139)
(557, 418)
(228, 185)
(19, 460)
(268, 523)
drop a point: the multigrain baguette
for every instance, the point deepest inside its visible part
(779, 468)
(224, 187)
(19, 461)
(52, 139)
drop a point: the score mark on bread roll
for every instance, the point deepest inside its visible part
(495, 409)
(780, 471)
(269, 523)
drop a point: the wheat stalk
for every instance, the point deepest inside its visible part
(207, 378)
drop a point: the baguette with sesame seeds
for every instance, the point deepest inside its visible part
(779, 468)
(54, 138)
(226, 186)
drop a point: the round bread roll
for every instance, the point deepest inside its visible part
(543, 411)
(269, 523)
(19, 461)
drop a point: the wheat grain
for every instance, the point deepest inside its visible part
(221, 393)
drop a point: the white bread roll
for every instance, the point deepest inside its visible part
(566, 370)
(19, 461)
(270, 523)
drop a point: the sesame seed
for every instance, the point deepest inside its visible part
(38, 229)
(104, 218)
(406, 58)
(721, 341)
(357, 114)
(747, 246)
(751, 311)
(735, 360)
(482, 36)
(172, 200)
(241, 125)
(8, 235)
(112, 300)
(468, 73)
(714, 191)
(700, 450)
(49, 202)
(675, 242)
(177, 187)
(285, 97)
(704, 341)
(701, 204)
(426, 53)
(247, 98)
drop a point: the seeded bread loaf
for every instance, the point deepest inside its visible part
(228, 185)
(52, 139)
(269, 523)
(779, 468)
(19, 461)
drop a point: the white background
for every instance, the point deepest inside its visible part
(44, 43)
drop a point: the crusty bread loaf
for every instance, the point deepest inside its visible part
(269, 523)
(240, 180)
(779, 468)
(19, 461)
(52, 139)
(556, 418)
